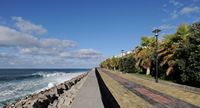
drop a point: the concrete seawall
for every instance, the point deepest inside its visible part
(94, 94)
(89, 95)
(106, 96)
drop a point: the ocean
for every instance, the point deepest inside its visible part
(17, 83)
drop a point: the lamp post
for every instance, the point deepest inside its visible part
(156, 31)
(122, 52)
(122, 66)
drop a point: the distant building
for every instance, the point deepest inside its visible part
(123, 54)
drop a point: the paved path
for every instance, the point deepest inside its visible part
(157, 99)
(89, 95)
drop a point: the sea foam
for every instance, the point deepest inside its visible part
(12, 90)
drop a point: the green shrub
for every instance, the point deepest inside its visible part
(127, 64)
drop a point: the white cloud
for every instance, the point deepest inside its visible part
(174, 14)
(175, 3)
(35, 51)
(196, 20)
(184, 11)
(51, 47)
(56, 43)
(28, 27)
(65, 54)
(87, 53)
(166, 27)
(189, 10)
(62, 53)
(84, 55)
(28, 44)
(77, 58)
(180, 9)
(21, 48)
(11, 37)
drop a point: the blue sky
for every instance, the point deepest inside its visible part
(81, 33)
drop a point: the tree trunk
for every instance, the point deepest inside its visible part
(148, 71)
(169, 70)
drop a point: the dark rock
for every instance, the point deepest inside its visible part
(41, 103)
(56, 97)
(52, 97)
(60, 91)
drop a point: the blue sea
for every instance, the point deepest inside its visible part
(17, 83)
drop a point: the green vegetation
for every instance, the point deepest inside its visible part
(178, 56)
(124, 64)
(188, 57)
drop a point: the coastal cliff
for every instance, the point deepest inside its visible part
(58, 96)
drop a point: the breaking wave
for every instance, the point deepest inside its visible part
(15, 87)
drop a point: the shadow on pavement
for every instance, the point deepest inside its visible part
(106, 96)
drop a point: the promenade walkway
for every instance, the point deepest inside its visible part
(89, 95)
(138, 95)
(108, 89)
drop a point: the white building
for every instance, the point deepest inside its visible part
(123, 54)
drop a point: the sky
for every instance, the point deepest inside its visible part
(82, 33)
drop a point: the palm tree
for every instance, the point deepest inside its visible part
(114, 62)
(166, 56)
(183, 31)
(169, 46)
(143, 54)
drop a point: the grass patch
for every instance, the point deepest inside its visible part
(124, 97)
(186, 96)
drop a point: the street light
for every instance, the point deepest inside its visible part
(156, 31)
(122, 51)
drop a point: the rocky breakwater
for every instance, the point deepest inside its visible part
(60, 96)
